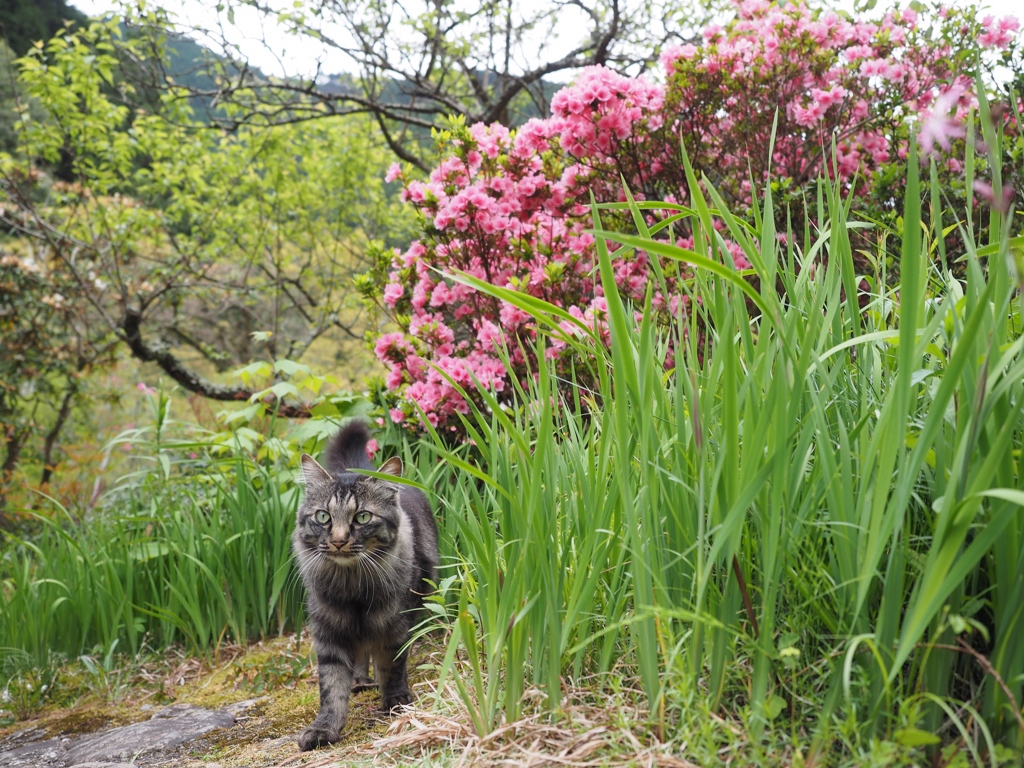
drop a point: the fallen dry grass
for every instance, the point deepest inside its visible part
(588, 730)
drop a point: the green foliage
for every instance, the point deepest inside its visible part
(29, 687)
(8, 98)
(165, 563)
(148, 228)
(24, 22)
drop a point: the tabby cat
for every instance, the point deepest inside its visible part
(367, 551)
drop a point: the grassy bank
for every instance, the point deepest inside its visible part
(163, 564)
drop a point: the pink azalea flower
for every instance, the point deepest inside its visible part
(985, 192)
(938, 128)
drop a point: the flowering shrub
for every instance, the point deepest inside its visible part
(511, 208)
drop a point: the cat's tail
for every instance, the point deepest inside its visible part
(347, 449)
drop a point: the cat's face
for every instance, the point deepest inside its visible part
(347, 519)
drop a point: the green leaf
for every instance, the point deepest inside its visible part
(147, 550)
(280, 390)
(257, 370)
(290, 368)
(915, 737)
(773, 706)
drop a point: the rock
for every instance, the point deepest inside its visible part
(239, 707)
(35, 755)
(168, 728)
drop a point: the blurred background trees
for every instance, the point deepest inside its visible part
(127, 226)
(410, 66)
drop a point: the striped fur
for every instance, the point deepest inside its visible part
(366, 570)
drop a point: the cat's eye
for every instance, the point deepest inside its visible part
(363, 517)
(322, 516)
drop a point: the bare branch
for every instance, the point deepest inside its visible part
(161, 355)
(413, 64)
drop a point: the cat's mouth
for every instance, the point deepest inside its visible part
(342, 556)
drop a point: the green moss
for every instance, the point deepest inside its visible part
(85, 717)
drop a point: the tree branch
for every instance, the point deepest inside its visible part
(161, 354)
(54, 433)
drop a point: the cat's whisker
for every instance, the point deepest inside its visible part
(381, 567)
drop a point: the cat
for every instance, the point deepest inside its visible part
(367, 552)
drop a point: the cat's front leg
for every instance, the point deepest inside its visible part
(390, 669)
(335, 685)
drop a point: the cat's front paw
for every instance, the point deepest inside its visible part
(395, 700)
(315, 737)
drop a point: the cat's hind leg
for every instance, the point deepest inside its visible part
(362, 680)
(390, 667)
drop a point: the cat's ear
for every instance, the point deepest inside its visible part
(392, 466)
(313, 472)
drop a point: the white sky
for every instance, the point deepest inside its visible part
(287, 54)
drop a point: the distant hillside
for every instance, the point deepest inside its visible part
(22, 22)
(189, 64)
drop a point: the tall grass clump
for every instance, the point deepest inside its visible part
(198, 560)
(800, 502)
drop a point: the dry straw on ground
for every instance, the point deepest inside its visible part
(584, 734)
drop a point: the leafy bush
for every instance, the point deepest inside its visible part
(510, 209)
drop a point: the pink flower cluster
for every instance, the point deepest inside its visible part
(512, 208)
(831, 79)
(599, 112)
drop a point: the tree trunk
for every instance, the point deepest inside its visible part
(14, 439)
(54, 433)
